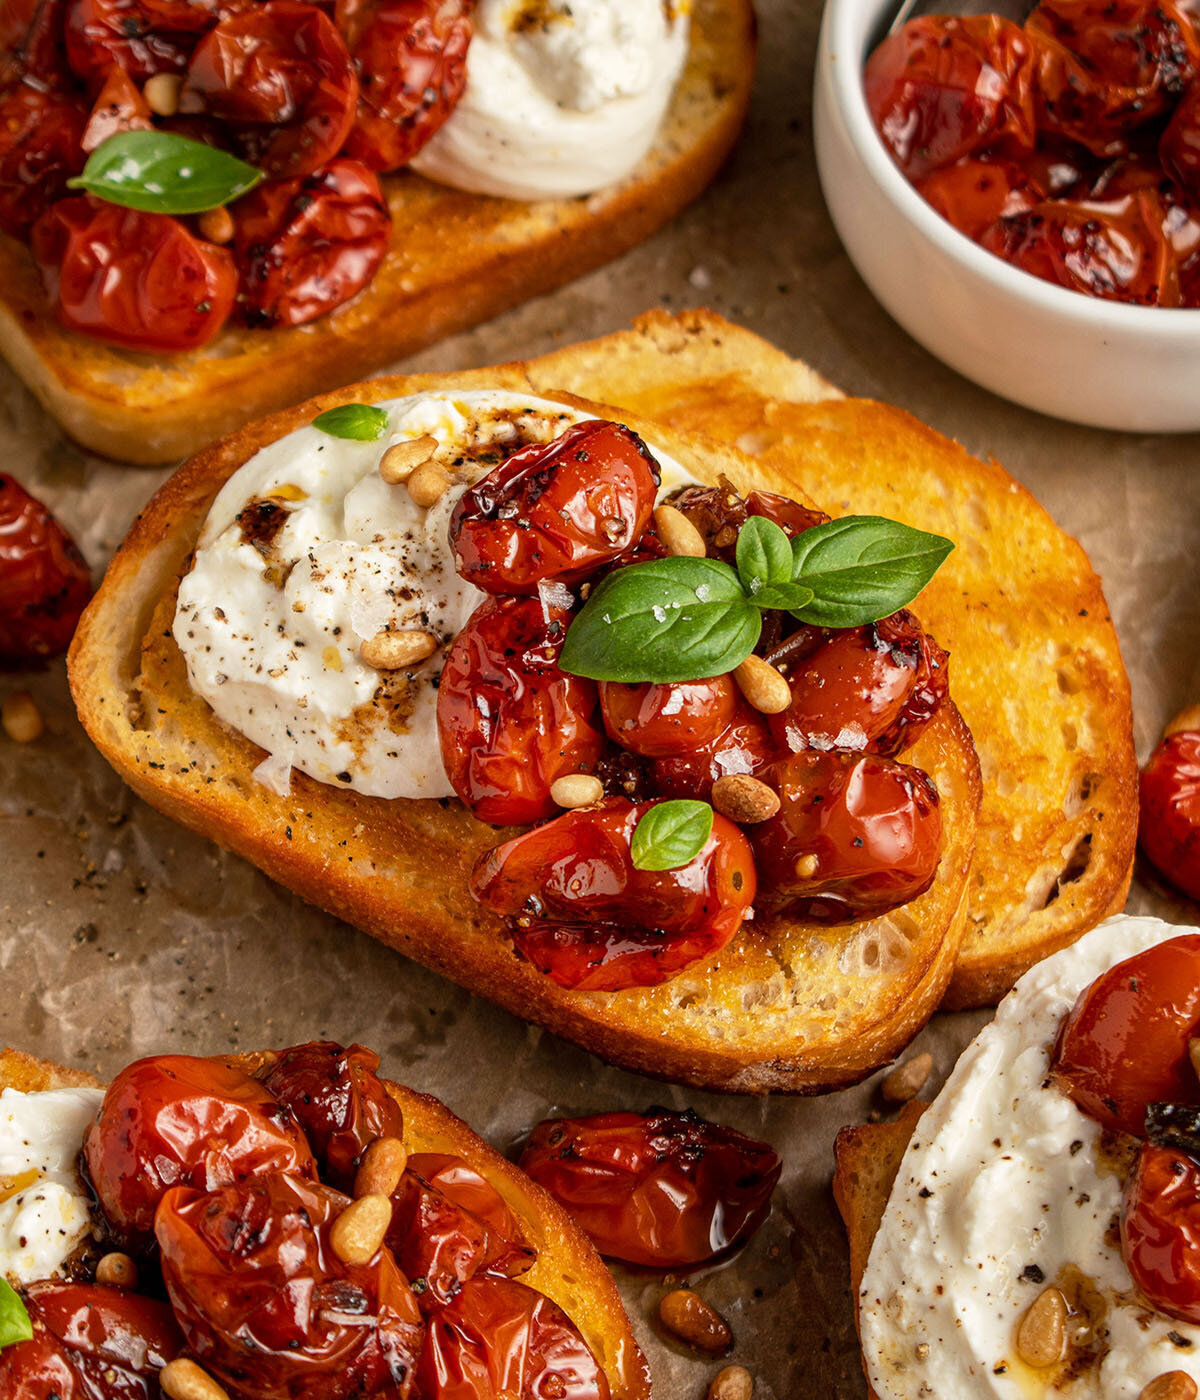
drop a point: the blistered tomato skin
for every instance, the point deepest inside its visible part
(143, 37)
(719, 513)
(584, 915)
(1160, 1230)
(40, 134)
(1169, 828)
(1124, 1044)
(119, 107)
(1179, 148)
(509, 721)
(973, 194)
(744, 746)
(661, 1190)
(855, 836)
(662, 721)
(555, 513)
(44, 581)
(176, 1120)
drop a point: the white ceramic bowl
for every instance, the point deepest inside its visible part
(1109, 365)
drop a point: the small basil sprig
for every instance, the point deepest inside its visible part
(161, 173)
(14, 1320)
(360, 422)
(670, 834)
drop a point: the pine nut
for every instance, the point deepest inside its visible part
(381, 1167)
(908, 1079)
(678, 534)
(21, 718)
(576, 790)
(216, 225)
(162, 93)
(117, 1269)
(806, 867)
(390, 651)
(182, 1379)
(687, 1316)
(357, 1233)
(1194, 1055)
(742, 798)
(1171, 1385)
(1042, 1334)
(763, 686)
(1185, 722)
(401, 459)
(733, 1383)
(428, 484)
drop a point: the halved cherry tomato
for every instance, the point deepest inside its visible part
(281, 75)
(119, 107)
(1160, 1230)
(1179, 149)
(499, 1340)
(268, 1307)
(44, 581)
(509, 721)
(143, 37)
(582, 913)
(855, 836)
(132, 279)
(338, 1100)
(556, 511)
(719, 513)
(1124, 1044)
(660, 721)
(972, 194)
(176, 1120)
(664, 1190)
(411, 57)
(1169, 829)
(40, 134)
(89, 1341)
(745, 746)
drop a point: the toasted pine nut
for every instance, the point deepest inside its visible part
(21, 718)
(1171, 1385)
(733, 1383)
(1185, 722)
(381, 1167)
(907, 1079)
(162, 93)
(576, 790)
(806, 866)
(389, 651)
(357, 1233)
(182, 1379)
(401, 459)
(428, 484)
(687, 1316)
(742, 798)
(678, 534)
(216, 225)
(117, 1269)
(1042, 1333)
(763, 686)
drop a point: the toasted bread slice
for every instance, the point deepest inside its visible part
(455, 260)
(568, 1269)
(1035, 669)
(786, 1006)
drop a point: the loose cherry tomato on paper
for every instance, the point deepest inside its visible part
(119, 107)
(555, 512)
(1160, 1230)
(972, 194)
(855, 836)
(509, 721)
(719, 513)
(1124, 1044)
(744, 746)
(411, 57)
(143, 37)
(44, 581)
(266, 1305)
(661, 721)
(1169, 828)
(40, 134)
(663, 1190)
(176, 1120)
(499, 1338)
(582, 913)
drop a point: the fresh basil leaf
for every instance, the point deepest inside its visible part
(671, 834)
(161, 173)
(14, 1320)
(862, 568)
(675, 619)
(764, 555)
(361, 422)
(783, 595)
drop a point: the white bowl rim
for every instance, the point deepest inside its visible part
(842, 25)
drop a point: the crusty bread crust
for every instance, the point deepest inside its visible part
(568, 1269)
(455, 260)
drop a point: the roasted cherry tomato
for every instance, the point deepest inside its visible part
(855, 836)
(40, 135)
(268, 1307)
(973, 194)
(582, 913)
(1180, 145)
(89, 1341)
(143, 37)
(664, 1190)
(499, 1340)
(1124, 1044)
(411, 57)
(449, 1224)
(44, 582)
(875, 688)
(133, 279)
(944, 87)
(555, 512)
(1169, 828)
(719, 513)
(660, 721)
(1160, 1230)
(745, 746)
(339, 1101)
(31, 42)
(281, 75)
(509, 721)
(176, 1120)
(305, 246)
(119, 107)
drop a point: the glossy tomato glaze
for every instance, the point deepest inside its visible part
(44, 581)
(1169, 825)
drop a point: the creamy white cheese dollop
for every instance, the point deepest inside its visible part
(563, 97)
(1004, 1190)
(44, 1214)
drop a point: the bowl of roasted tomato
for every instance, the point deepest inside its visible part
(1023, 195)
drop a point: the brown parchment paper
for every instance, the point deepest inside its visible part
(121, 934)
